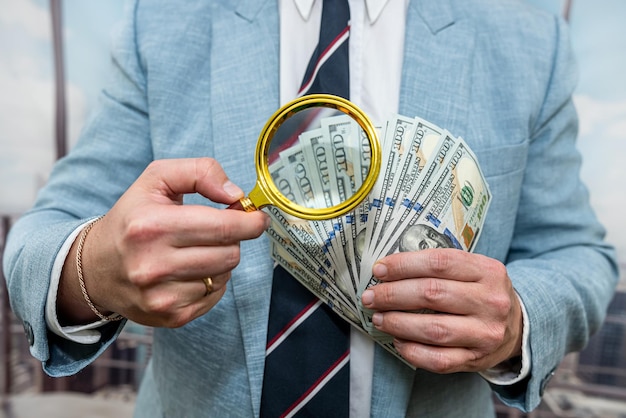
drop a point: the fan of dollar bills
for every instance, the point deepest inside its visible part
(430, 193)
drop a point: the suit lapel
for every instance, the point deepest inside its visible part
(244, 94)
(437, 93)
(434, 35)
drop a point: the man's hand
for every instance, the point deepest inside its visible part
(147, 257)
(478, 323)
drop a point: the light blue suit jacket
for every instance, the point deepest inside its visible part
(195, 78)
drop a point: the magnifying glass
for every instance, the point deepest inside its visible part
(317, 158)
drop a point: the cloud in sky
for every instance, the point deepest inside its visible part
(599, 41)
(26, 16)
(27, 103)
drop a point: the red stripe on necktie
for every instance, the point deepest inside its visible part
(339, 39)
(295, 319)
(331, 370)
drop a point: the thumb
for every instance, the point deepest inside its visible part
(173, 178)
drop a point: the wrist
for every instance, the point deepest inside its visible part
(74, 303)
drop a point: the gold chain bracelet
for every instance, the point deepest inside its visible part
(81, 279)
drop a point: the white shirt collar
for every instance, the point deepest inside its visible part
(374, 8)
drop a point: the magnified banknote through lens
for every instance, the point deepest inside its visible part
(317, 158)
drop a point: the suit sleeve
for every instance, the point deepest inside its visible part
(112, 151)
(560, 266)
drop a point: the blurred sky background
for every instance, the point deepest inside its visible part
(27, 86)
(26, 94)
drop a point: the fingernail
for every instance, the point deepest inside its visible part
(398, 343)
(232, 189)
(268, 221)
(379, 270)
(367, 297)
(377, 319)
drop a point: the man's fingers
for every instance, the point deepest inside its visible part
(441, 263)
(441, 295)
(436, 294)
(444, 343)
(195, 225)
(182, 264)
(441, 360)
(442, 330)
(175, 177)
(176, 303)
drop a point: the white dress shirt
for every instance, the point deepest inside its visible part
(376, 45)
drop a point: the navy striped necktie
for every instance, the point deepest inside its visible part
(328, 70)
(307, 371)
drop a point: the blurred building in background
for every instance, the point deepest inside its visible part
(48, 89)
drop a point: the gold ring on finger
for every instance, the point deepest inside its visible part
(208, 283)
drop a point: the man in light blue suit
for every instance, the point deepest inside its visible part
(199, 79)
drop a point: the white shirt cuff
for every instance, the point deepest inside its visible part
(82, 334)
(508, 372)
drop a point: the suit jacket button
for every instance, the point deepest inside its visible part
(30, 335)
(545, 381)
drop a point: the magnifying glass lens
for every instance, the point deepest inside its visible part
(319, 157)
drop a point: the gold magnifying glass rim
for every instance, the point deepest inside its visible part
(266, 192)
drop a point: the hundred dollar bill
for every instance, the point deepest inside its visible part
(453, 214)
(315, 265)
(319, 287)
(301, 232)
(413, 201)
(282, 181)
(343, 134)
(398, 130)
(459, 204)
(299, 236)
(288, 186)
(345, 145)
(357, 220)
(365, 155)
(305, 178)
(318, 154)
(458, 201)
(302, 175)
(411, 204)
(424, 139)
